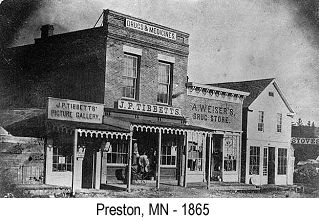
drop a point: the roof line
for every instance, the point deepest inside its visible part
(283, 97)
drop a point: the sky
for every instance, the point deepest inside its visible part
(230, 40)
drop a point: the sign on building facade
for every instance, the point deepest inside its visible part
(214, 113)
(148, 108)
(150, 29)
(303, 140)
(71, 110)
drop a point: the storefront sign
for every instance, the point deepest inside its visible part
(148, 108)
(213, 114)
(79, 111)
(150, 29)
(302, 140)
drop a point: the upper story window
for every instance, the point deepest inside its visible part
(130, 77)
(164, 83)
(279, 122)
(261, 121)
(271, 94)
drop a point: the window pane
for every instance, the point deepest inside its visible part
(254, 160)
(130, 76)
(61, 159)
(163, 83)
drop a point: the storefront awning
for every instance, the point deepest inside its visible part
(153, 126)
(88, 129)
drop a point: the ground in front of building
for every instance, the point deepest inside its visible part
(166, 190)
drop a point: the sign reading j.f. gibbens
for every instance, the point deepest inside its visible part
(303, 140)
(148, 108)
(150, 29)
(79, 111)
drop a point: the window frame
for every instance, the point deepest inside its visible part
(261, 120)
(279, 122)
(196, 152)
(265, 161)
(169, 84)
(166, 156)
(68, 160)
(124, 152)
(255, 157)
(282, 161)
(137, 78)
(230, 152)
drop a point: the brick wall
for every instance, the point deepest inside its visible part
(69, 65)
(151, 46)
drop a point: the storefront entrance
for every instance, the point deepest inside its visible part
(225, 158)
(88, 168)
(217, 156)
(231, 158)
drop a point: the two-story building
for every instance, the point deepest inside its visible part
(115, 92)
(267, 154)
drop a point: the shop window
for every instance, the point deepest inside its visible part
(168, 155)
(279, 122)
(195, 153)
(117, 153)
(164, 83)
(230, 153)
(130, 77)
(265, 162)
(62, 159)
(260, 121)
(282, 161)
(254, 160)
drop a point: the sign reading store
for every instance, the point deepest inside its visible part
(71, 110)
(150, 29)
(304, 140)
(148, 108)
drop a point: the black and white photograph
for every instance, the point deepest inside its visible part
(159, 99)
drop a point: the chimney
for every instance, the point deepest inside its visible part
(46, 31)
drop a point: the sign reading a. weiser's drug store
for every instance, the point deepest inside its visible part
(148, 108)
(150, 29)
(213, 113)
(79, 111)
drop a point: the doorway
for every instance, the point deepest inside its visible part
(271, 165)
(88, 169)
(217, 158)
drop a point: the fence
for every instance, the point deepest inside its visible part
(26, 174)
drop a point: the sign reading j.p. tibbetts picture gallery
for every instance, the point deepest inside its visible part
(71, 110)
(214, 114)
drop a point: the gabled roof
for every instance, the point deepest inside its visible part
(254, 87)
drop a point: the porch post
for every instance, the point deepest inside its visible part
(186, 159)
(75, 143)
(239, 157)
(129, 175)
(209, 152)
(158, 168)
(98, 169)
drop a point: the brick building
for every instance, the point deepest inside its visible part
(112, 93)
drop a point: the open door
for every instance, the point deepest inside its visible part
(88, 169)
(217, 158)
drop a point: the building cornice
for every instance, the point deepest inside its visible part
(215, 93)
